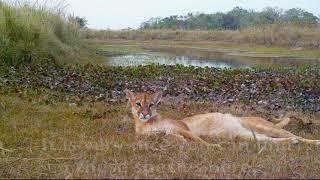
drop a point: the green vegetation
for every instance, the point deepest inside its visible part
(237, 18)
(36, 33)
(245, 86)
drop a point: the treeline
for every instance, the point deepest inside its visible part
(237, 18)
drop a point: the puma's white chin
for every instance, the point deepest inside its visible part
(144, 118)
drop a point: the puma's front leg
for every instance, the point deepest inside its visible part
(188, 135)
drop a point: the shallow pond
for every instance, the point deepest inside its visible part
(145, 59)
(204, 57)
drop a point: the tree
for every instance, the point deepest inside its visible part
(269, 15)
(300, 17)
(235, 19)
(81, 21)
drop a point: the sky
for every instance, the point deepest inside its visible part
(120, 14)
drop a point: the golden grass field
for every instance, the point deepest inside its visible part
(269, 35)
(97, 140)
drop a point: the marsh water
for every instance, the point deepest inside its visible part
(152, 58)
(205, 58)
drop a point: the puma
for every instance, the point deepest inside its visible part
(217, 125)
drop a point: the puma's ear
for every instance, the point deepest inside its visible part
(157, 97)
(130, 95)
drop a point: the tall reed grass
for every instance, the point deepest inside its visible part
(36, 32)
(271, 35)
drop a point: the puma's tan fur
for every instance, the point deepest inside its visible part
(226, 126)
(148, 121)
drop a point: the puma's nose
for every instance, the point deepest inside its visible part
(144, 113)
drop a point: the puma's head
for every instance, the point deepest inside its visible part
(144, 105)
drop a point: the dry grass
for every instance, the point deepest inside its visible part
(273, 35)
(96, 140)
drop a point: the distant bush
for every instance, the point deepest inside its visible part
(34, 33)
(237, 18)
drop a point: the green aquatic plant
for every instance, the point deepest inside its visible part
(301, 88)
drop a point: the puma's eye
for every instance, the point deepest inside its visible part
(138, 104)
(151, 105)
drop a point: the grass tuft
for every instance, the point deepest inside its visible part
(36, 33)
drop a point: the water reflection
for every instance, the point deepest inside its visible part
(203, 58)
(146, 59)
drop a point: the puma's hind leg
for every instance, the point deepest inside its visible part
(285, 121)
(264, 138)
(309, 141)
